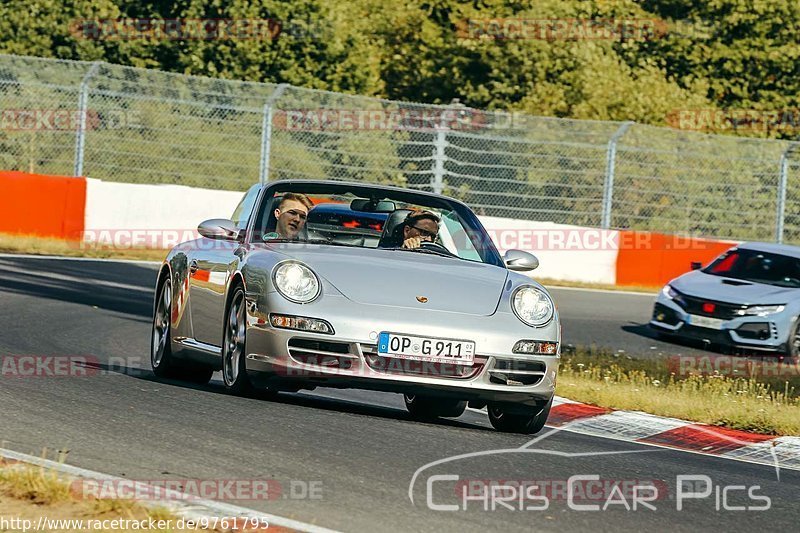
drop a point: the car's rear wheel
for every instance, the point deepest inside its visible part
(509, 422)
(428, 407)
(234, 370)
(164, 364)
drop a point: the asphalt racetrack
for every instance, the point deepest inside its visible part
(346, 460)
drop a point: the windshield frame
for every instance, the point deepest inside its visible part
(477, 234)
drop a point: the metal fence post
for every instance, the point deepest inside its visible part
(608, 186)
(437, 180)
(439, 156)
(266, 132)
(782, 183)
(83, 102)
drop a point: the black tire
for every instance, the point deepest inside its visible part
(793, 344)
(518, 423)
(164, 364)
(234, 367)
(429, 408)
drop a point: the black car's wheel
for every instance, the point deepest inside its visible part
(518, 423)
(428, 408)
(161, 359)
(234, 370)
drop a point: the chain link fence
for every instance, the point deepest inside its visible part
(134, 125)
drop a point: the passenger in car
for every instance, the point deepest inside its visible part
(290, 216)
(420, 226)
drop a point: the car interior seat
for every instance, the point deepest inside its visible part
(392, 236)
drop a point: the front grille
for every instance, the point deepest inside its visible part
(754, 330)
(695, 306)
(516, 372)
(325, 354)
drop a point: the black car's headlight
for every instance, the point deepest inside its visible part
(296, 282)
(532, 305)
(761, 310)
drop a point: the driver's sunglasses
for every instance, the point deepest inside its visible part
(425, 233)
(296, 213)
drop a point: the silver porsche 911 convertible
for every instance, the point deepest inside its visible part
(323, 283)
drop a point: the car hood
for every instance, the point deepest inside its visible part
(732, 290)
(402, 278)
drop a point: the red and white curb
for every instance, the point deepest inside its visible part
(196, 509)
(643, 428)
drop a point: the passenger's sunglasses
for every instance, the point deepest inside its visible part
(425, 233)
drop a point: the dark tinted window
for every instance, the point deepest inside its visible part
(759, 267)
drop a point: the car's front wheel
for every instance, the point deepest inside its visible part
(164, 364)
(793, 348)
(509, 422)
(428, 407)
(234, 371)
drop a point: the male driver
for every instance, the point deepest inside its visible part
(420, 226)
(291, 216)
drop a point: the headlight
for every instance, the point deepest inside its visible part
(296, 282)
(760, 310)
(669, 292)
(533, 306)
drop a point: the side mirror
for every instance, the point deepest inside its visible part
(520, 261)
(696, 265)
(219, 229)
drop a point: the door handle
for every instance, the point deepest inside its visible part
(193, 267)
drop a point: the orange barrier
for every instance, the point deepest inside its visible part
(45, 206)
(652, 259)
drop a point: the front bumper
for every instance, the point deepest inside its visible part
(762, 333)
(348, 359)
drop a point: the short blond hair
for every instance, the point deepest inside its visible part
(296, 197)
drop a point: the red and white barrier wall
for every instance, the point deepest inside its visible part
(125, 214)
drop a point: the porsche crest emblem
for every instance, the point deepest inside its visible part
(422, 299)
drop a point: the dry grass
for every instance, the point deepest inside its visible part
(555, 283)
(29, 492)
(768, 405)
(36, 485)
(22, 244)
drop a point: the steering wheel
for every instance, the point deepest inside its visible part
(434, 246)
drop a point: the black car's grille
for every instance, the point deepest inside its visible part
(706, 307)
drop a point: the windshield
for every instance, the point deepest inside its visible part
(758, 267)
(371, 217)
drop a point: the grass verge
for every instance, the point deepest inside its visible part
(28, 493)
(555, 283)
(763, 397)
(22, 244)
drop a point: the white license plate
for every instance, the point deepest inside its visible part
(415, 348)
(704, 322)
